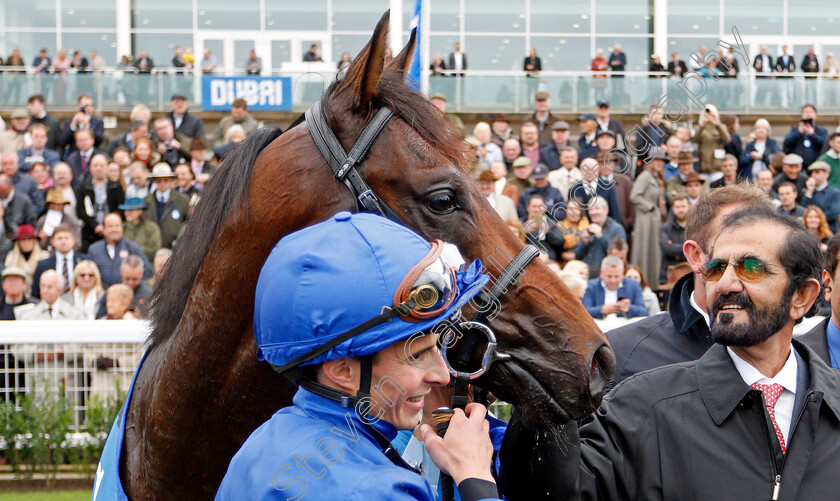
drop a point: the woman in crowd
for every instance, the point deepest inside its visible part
(814, 219)
(118, 303)
(757, 153)
(144, 152)
(651, 301)
(39, 173)
(60, 65)
(574, 224)
(235, 134)
(734, 147)
(711, 138)
(26, 253)
(489, 152)
(114, 173)
(648, 196)
(86, 288)
(579, 268)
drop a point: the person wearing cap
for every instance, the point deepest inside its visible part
(542, 115)
(16, 137)
(552, 197)
(55, 215)
(364, 363)
(587, 146)
(501, 130)
(185, 123)
(139, 229)
(26, 253)
(439, 102)
(550, 153)
(520, 175)
(504, 206)
(606, 141)
(832, 158)
(13, 300)
(602, 116)
(694, 186)
(95, 198)
(792, 173)
(648, 198)
(166, 207)
(676, 184)
(37, 151)
(567, 175)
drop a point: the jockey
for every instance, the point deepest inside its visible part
(351, 308)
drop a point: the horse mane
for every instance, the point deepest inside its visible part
(224, 194)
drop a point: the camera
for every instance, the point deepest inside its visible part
(809, 121)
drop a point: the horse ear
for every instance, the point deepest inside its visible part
(363, 75)
(402, 62)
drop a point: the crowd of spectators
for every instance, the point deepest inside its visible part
(610, 206)
(86, 225)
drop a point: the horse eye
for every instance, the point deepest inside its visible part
(442, 202)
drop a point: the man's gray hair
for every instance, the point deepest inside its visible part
(132, 261)
(163, 252)
(613, 261)
(59, 279)
(599, 200)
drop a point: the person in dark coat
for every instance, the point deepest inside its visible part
(83, 119)
(806, 138)
(168, 208)
(110, 252)
(596, 237)
(185, 123)
(682, 334)
(551, 196)
(672, 236)
(824, 338)
(732, 425)
(92, 206)
(38, 115)
(17, 211)
(592, 184)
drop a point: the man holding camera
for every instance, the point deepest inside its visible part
(171, 145)
(83, 119)
(806, 138)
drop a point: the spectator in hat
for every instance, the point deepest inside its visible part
(787, 195)
(52, 306)
(439, 102)
(648, 198)
(832, 158)
(139, 229)
(595, 238)
(13, 299)
(694, 187)
(500, 129)
(95, 198)
(173, 147)
(550, 153)
(729, 169)
(81, 157)
(542, 115)
(530, 142)
(757, 153)
(552, 197)
(606, 142)
(567, 175)
(520, 177)
(238, 116)
(818, 192)
(36, 106)
(22, 183)
(676, 184)
(587, 146)
(806, 138)
(17, 206)
(166, 207)
(83, 119)
(37, 151)
(26, 253)
(113, 249)
(792, 173)
(202, 168)
(184, 122)
(16, 137)
(55, 216)
(503, 205)
(602, 116)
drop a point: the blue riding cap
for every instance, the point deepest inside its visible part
(324, 280)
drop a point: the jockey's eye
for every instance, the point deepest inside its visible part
(441, 202)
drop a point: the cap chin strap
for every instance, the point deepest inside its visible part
(345, 399)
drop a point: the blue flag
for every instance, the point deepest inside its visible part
(414, 74)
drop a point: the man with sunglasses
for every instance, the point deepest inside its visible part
(350, 309)
(756, 417)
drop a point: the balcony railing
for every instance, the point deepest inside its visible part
(471, 92)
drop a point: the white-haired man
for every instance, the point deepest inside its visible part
(52, 306)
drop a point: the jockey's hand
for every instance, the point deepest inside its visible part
(466, 450)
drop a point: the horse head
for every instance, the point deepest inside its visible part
(418, 166)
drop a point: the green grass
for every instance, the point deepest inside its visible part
(81, 495)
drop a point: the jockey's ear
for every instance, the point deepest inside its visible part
(364, 72)
(402, 62)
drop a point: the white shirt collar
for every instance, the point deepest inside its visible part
(699, 310)
(832, 153)
(786, 377)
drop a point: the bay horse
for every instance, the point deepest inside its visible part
(201, 390)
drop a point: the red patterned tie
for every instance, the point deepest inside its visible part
(772, 392)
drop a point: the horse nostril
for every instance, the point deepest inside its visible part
(603, 364)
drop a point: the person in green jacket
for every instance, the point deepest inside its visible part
(136, 228)
(832, 158)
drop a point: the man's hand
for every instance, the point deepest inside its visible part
(162, 148)
(596, 230)
(175, 144)
(99, 230)
(755, 155)
(623, 305)
(203, 178)
(810, 184)
(610, 308)
(466, 450)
